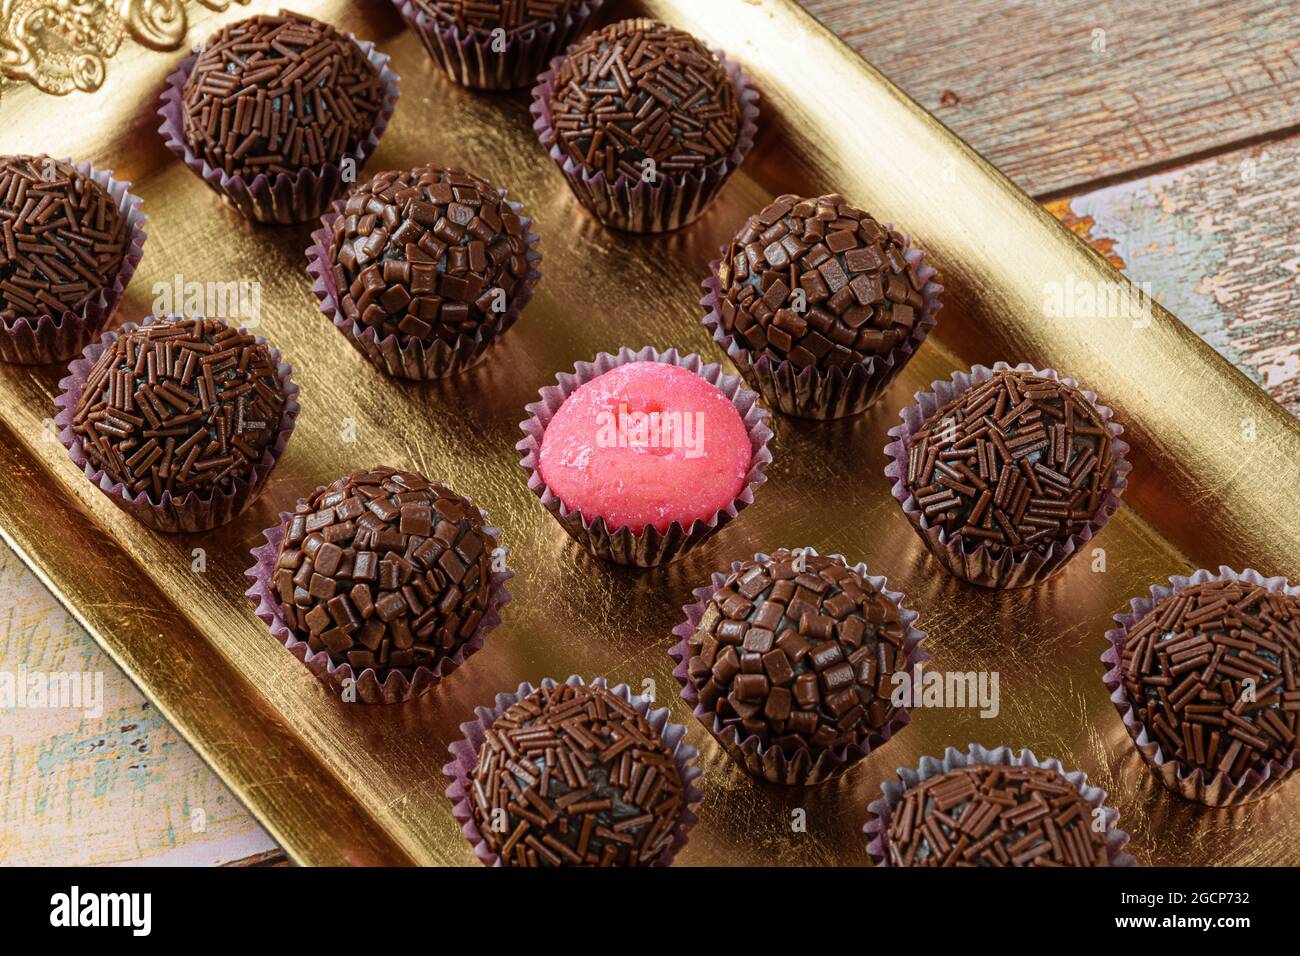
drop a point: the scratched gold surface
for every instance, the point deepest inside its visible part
(1215, 476)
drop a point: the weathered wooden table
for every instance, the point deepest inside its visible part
(1167, 134)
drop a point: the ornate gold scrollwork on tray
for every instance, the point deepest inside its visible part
(64, 45)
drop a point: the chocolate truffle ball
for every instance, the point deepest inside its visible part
(62, 238)
(385, 569)
(1017, 464)
(799, 651)
(274, 94)
(433, 253)
(1213, 674)
(639, 90)
(995, 816)
(180, 405)
(572, 775)
(818, 283)
(484, 16)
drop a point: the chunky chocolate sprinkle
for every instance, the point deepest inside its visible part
(798, 651)
(62, 239)
(384, 569)
(574, 776)
(995, 816)
(180, 405)
(272, 94)
(818, 283)
(1016, 464)
(1213, 674)
(433, 253)
(513, 16)
(639, 90)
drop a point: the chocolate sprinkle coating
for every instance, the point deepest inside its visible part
(639, 90)
(62, 238)
(995, 816)
(384, 569)
(180, 405)
(801, 659)
(274, 94)
(818, 283)
(572, 775)
(1213, 674)
(1019, 463)
(484, 16)
(433, 253)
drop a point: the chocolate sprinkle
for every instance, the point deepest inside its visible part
(484, 16)
(274, 94)
(62, 239)
(1213, 674)
(429, 254)
(818, 283)
(639, 90)
(995, 816)
(180, 405)
(801, 659)
(384, 569)
(1017, 464)
(574, 776)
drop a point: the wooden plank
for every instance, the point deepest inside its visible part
(1029, 84)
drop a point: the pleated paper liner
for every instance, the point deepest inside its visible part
(464, 755)
(624, 545)
(281, 198)
(978, 564)
(634, 205)
(417, 360)
(484, 61)
(825, 393)
(881, 810)
(46, 339)
(365, 687)
(802, 767)
(192, 511)
(1191, 783)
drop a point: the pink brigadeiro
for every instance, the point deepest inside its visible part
(645, 445)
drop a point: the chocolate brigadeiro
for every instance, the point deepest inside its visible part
(496, 44)
(1208, 684)
(284, 97)
(424, 269)
(180, 420)
(573, 775)
(819, 305)
(1006, 472)
(69, 242)
(789, 661)
(646, 123)
(384, 571)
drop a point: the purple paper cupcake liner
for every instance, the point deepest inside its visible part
(1191, 783)
(464, 755)
(417, 360)
(880, 811)
(368, 688)
(281, 198)
(45, 339)
(192, 512)
(637, 206)
(771, 763)
(470, 59)
(825, 393)
(623, 545)
(977, 565)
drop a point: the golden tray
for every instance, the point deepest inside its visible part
(1214, 479)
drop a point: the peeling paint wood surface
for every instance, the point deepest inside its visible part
(1055, 104)
(1216, 241)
